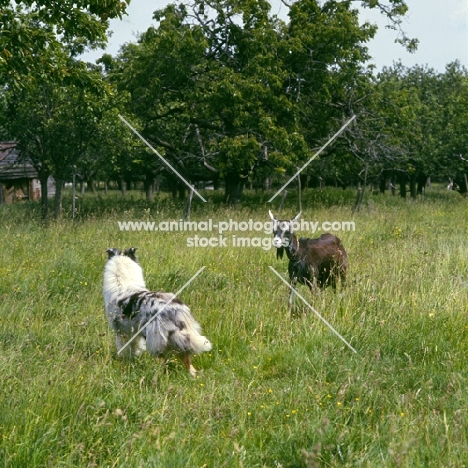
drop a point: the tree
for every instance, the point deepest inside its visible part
(31, 30)
(56, 122)
(209, 91)
(453, 141)
(328, 80)
(54, 100)
(422, 117)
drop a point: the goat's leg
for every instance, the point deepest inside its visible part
(292, 291)
(343, 276)
(291, 298)
(312, 285)
(337, 275)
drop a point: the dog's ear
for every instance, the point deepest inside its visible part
(111, 252)
(130, 253)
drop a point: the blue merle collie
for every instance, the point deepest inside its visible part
(130, 306)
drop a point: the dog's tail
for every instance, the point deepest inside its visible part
(175, 329)
(198, 343)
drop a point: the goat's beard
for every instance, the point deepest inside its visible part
(279, 252)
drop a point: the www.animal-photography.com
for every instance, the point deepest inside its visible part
(236, 237)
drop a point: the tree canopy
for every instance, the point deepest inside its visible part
(227, 84)
(31, 32)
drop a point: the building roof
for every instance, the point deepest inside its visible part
(12, 166)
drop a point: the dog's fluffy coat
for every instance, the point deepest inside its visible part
(130, 306)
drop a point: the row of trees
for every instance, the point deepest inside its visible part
(225, 91)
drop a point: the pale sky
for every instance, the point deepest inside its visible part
(440, 25)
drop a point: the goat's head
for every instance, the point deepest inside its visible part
(282, 232)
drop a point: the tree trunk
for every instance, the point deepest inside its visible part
(358, 198)
(234, 188)
(91, 185)
(382, 184)
(412, 185)
(267, 181)
(128, 184)
(421, 183)
(149, 186)
(299, 193)
(58, 198)
(74, 193)
(280, 207)
(123, 187)
(44, 196)
(181, 191)
(364, 185)
(403, 179)
(188, 206)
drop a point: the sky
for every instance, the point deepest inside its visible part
(441, 26)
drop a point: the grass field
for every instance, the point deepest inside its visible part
(276, 390)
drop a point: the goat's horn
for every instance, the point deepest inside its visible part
(271, 215)
(297, 217)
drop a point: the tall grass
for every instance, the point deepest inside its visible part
(277, 390)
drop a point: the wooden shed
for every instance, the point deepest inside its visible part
(18, 178)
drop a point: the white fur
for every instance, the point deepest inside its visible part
(122, 277)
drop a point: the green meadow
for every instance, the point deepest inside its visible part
(279, 389)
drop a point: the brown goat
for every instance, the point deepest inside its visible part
(314, 262)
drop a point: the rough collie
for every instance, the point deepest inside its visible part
(158, 322)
